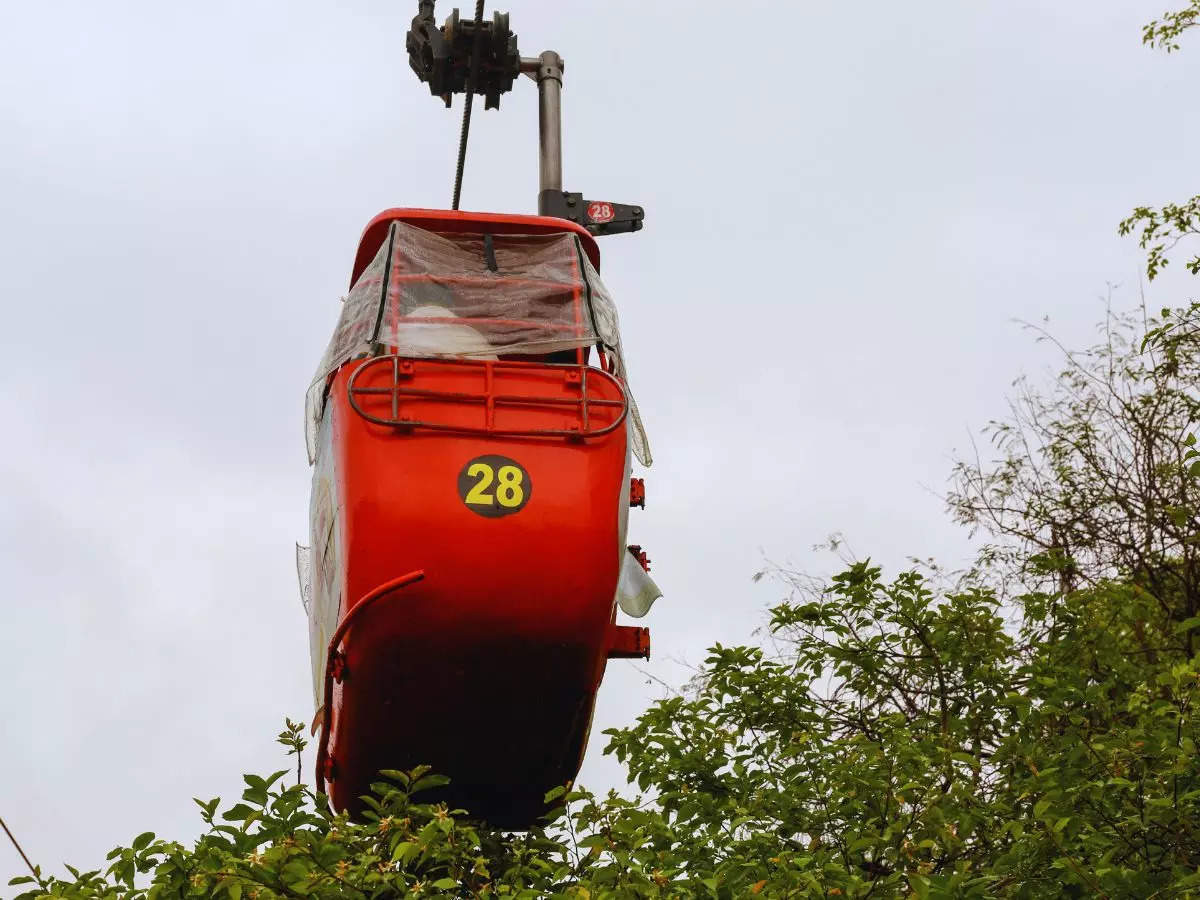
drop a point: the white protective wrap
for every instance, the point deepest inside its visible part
(471, 296)
(636, 590)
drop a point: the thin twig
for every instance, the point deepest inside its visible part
(19, 850)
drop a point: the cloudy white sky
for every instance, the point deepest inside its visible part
(847, 207)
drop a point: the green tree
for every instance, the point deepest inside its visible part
(1163, 228)
(1164, 33)
(282, 841)
(1028, 730)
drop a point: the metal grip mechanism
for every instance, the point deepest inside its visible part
(482, 57)
(441, 56)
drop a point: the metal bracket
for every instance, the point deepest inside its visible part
(640, 555)
(637, 492)
(628, 642)
(597, 216)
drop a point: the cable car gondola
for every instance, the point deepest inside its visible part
(472, 432)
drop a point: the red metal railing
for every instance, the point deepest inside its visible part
(581, 380)
(335, 668)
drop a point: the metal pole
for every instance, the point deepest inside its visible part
(549, 79)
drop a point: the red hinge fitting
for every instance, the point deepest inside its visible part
(637, 492)
(337, 667)
(640, 555)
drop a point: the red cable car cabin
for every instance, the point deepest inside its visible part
(471, 428)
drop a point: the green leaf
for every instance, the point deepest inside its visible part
(142, 841)
(1187, 625)
(405, 850)
(428, 782)
(238, 813)
(209, 806)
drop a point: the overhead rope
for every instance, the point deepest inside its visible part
(476, 47)
(32, 868)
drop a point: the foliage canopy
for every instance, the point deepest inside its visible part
(1027, 729)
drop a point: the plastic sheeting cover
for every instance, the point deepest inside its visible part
(304, 574)
(636, 590)
(467, 296)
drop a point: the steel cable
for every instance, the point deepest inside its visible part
(466, 120)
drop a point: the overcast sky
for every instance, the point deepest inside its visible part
(848, 205)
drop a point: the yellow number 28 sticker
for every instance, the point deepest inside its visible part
(494, 486)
